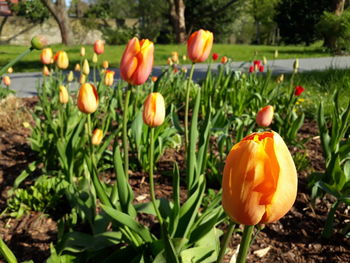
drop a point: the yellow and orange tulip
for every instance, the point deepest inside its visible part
(46, 71)
(137, 61)
(154, 110)
(64, 96)
(260, 180)
(199, 45)
(109, 78)
(86, 67)
(61, 59)
(87, 98)
(97, 136)
(46, 56)
(105, 64)
(264, 116)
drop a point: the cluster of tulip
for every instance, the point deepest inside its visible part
(259, 182)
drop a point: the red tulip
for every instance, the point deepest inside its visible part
(251, 69)
(99, 47)
(261, 68)
(298, 90)
(215, 56)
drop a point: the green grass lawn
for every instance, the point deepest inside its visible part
(113, 53)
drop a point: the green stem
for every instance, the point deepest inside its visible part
(96, 181)
(94, 67)
(328, 228)
(12, 62)
(151, 181)
(226, 241)
(187, 104)
(125, 132)
(245, 244)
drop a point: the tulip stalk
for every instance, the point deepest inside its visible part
(125, 131)
(98, 186)
(14, 61)
(225, 241)
(151, 181)
(187, 104)
(245, 244)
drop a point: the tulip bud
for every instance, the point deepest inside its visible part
(154, 78)
(6, 80)
(38, 42)
(82, 79)
(77, 67)
(264, 116)
(259, 184)
(154, 110)
(224, 60)
(264, 60)
(61, 59)
(215, 56)
(10, 70)
(184, 69)
(276, 54)
(82, 52)
(94, 58)
(280, 79)
(199, 45)
(99, 47)
(87, 98)
(105, 64)
(169, 61)
(137, 61)
(64, 96)
(70, 76)
(298, 90)
(109, 78)
(46, 71)
(296, 65)
(184, 57)
(46, 56)
(97, 136)
(86, 68)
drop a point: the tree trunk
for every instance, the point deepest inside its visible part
(177, 18)
(338, 7)
(60, 14)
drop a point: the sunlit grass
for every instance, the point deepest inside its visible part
(162, 52)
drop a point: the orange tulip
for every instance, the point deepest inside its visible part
(97, 136)
(46, 56)
(260, 180)
(154, 78)
(77, 67)
(199, 45)
(6, 80)
(175, 57)
(61, 59)
(99, 47)
(154, 110)
(137, 61)
(265, 116)
(109, 78)
(64, 96)
(224, 60)
(87, 98)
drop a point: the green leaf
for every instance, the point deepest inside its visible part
(121, 219)
(6, 252)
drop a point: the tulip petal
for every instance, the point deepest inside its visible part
(144, 62)
(129, 61)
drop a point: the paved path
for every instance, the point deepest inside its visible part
(25, 83)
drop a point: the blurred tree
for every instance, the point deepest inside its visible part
(59, 11)
(214, 15)
(33, 10)
(177, 18)
(297, 19)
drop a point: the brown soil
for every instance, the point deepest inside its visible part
(294, 238)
